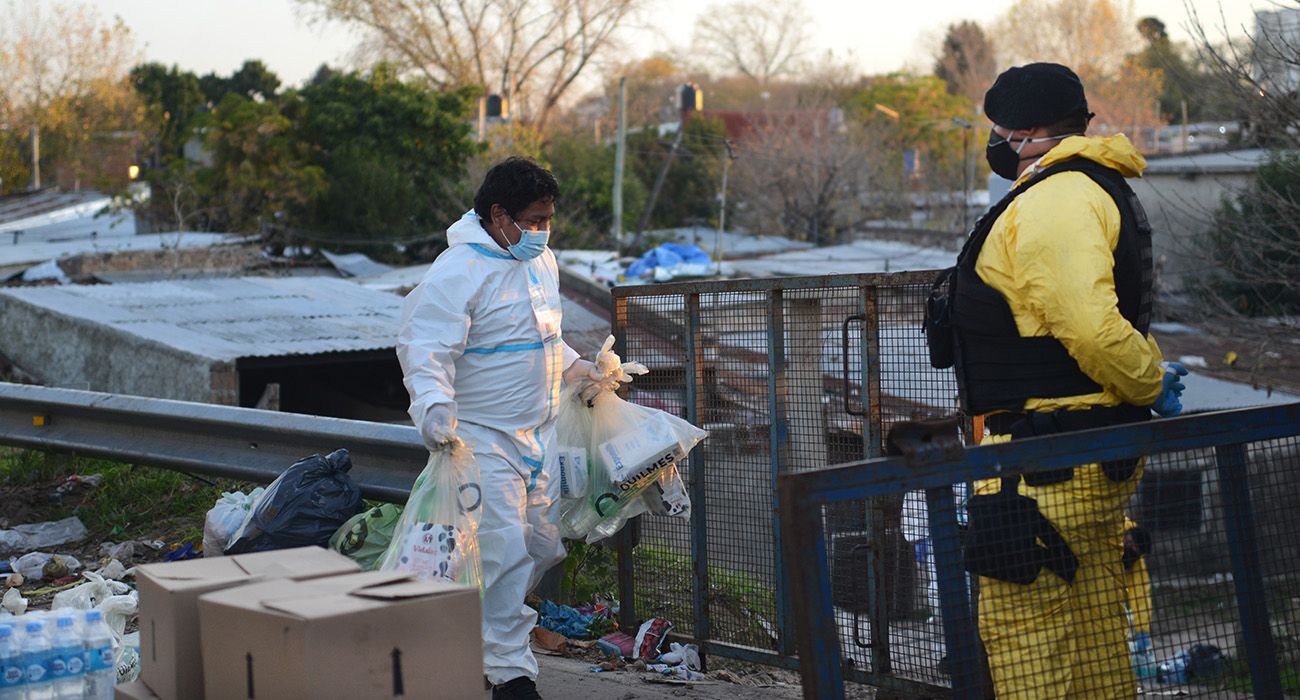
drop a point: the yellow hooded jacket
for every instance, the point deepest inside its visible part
(1051, 256)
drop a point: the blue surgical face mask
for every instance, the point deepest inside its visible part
(530, 245)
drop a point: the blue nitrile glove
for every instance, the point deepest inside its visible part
(1141, 641)
(1167, 403)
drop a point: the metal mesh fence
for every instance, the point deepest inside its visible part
(780, 369)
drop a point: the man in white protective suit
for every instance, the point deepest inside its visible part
(483, 359)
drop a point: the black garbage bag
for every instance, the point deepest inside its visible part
(302, 507)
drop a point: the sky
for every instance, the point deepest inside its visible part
(880, 36)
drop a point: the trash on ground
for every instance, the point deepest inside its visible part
(302, 507)
(365, 536)
(436, 537)
(688, 654)
(95, 589)
(617, 644)
(182, 551)
(33, 565)
(1199, 662)
(43, 535)
(551, 643)
(121, 552)
(225, 517)
(75, 481)
(565, 620)
(14, 580)
(128, 658)
(13, 602)
(114, 570)
(650, 637)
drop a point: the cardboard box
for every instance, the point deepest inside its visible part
(356, 637)
(135, 690)
(169, 616)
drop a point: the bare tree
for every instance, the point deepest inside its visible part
(966, 62)
(63, 69)
(531, 51)
(803, 174)
(1098, 39)
(761, 40)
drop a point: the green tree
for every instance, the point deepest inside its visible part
(388, 150)
(262, 172)
(172, 98)
(966, 63)
(253, 80)
(585, 170)
(1255, 242)
(915, 113)
(690, 189)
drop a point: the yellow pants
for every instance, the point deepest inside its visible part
(1050, 640)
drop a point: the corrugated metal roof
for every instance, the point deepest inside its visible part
(1241, 161)
(226, 319)
(40, 251)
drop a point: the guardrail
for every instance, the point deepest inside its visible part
(1250, 476)
(224, 441)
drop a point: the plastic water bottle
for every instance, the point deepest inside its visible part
(97, 642)
(67, 661)
(11, 665)
(36, 662)
(1172, 671)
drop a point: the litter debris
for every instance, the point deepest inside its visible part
(225, 517)
(302, 507)
(616, 644)
(1199, 662)
(95, 589)
(688, 654)
(33, 565)
(14, 580)
(114, 570)
(550, 643)
(650, 637)
(14, 602)
(671, 260)
(365, 536)
(181, 552)
(43, 535)
(121, 552)
(564, 620)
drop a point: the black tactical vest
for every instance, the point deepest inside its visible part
(996, 368)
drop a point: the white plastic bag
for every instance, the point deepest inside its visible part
(572, 436)
(225, 518)
(632, 447)
(437, 535)
(43, 535)
(32, 564)
(94, 591)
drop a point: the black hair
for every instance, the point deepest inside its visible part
(1076, 123)
(515, 183)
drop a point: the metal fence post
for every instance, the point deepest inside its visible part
(816, 631)
(780, 455)
(872, 442)
(625, 540)
(1248, 581)
(696, 480)
(954, 597)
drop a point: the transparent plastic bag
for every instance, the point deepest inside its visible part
(365, 537)
(632, 448)
(572, 437)
(224, 519)
(437, 536)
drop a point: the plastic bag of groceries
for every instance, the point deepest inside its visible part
(366, 536)
(437, 536)
(633, 450)
(572, 436)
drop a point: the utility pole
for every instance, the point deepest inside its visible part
(620, 152)
(36, 156)
(722, 206)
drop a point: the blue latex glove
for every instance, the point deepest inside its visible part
(1141, 641)
(1168, 403)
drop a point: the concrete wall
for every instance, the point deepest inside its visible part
(76, 354)
(1181, 208)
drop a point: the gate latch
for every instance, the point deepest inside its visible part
(922, 442)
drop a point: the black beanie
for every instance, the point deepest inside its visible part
(1037, 94)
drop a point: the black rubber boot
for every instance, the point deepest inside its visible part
(521, 688)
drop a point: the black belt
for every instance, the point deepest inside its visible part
(1028, 424)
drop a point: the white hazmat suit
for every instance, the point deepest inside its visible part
(480, 335)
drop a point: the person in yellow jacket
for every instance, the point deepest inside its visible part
(1050, 322)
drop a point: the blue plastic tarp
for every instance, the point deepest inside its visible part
(667, 255)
